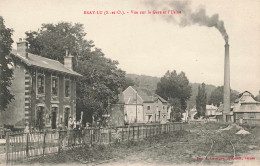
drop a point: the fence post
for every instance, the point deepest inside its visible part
(122, 134)
(7, 147)
(43, 146)
(90, 130)
(27, 146)
(145, 131)
(128, 132)
(109, 134)
(133, 132)
(59, 141)
(138, 133)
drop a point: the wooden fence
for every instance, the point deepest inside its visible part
(23, 146)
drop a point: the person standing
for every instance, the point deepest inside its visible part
(26, 130)
(70, 130)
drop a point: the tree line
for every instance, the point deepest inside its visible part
(102, 80)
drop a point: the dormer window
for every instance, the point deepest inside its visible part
(54, 86)
(40, 84)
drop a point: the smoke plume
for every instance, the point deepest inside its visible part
(188, 17)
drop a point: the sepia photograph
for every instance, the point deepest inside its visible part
(130, 82)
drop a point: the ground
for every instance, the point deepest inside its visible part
(198, 144)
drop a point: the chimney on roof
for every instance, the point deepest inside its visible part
(22, 46)
(68, 61)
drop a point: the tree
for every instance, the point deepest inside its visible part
(201, 100)
(175, 86)
(102, 80)
(176, 112)
(5, 71)
(216, 96)
(101, 84)
(52, 40)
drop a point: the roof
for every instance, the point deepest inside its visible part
(45, 63)
(143, 95)
(147, 95)
(211, 107)
(247, 98)
(247, 103)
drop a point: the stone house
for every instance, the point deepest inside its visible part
(44, 90)
(142, 106)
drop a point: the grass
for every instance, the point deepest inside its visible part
(179, 147)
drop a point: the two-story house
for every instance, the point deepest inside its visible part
(44, 90)
(142, 106)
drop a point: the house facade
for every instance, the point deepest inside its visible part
(142, 106)
(211, 110)
(44, 90)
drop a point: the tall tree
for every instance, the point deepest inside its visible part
(102, 79)
(51, 40)
(5, 71)
(201, 100)
(173, 85)
(176, 111)
(100, 85)
(216, 96)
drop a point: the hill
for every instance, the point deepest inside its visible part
(150, 83)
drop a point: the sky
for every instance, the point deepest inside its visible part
(148, 44)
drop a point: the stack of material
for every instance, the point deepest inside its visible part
(235, 127)
(232, 126)
(242, 131)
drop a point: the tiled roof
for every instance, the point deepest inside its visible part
(147, 95)
(247, 104)
(247, 98)
(45, 63)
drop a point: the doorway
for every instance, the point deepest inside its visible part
(54, 117)
(39, 118)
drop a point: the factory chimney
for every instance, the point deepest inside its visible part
(226, 83)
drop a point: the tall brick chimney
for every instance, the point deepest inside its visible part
(68, 61)
(22, 46)
(226, 83)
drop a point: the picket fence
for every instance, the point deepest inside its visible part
(21, 146)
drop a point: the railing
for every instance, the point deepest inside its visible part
(23, 146)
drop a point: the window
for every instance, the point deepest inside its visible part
(148, 107)
(54, 86)
(40, 84)
(67, 88)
